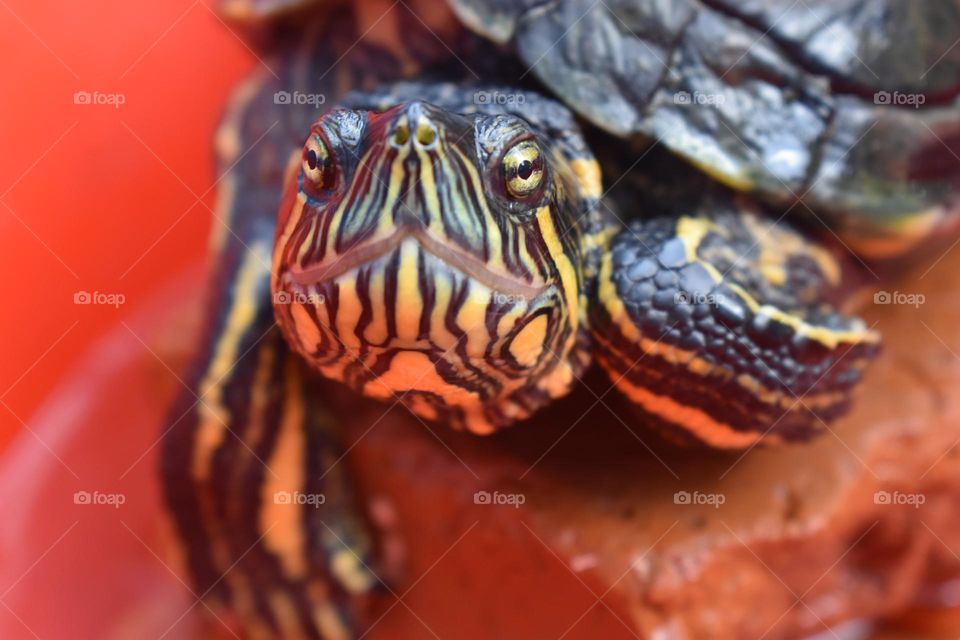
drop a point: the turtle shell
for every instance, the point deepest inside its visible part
(845, 108)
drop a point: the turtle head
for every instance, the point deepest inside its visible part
(435, 256)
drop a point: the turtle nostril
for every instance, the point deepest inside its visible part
(426, 134)
(400, 135)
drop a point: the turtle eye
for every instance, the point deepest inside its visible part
(523, 169)
(318, 163)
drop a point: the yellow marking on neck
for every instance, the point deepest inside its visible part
(692, 231)
(777, 244)
(611, 300)
(212, 412)
(567, 271)
(282, 524)
(229, 147)
(557, 382)
(588, 175)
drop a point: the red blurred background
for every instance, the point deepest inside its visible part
(107, 198)
(99, 197)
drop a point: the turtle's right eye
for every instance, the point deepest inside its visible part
(523, 169)
(318, 163)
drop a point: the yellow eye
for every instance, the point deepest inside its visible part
(523, 169)
(318, 162)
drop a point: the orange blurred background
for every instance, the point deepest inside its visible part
(99, 197)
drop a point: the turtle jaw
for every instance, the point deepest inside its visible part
(412, 292)
(401, 318)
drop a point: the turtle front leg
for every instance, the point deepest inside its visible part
(721, 330)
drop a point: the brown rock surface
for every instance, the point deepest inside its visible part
(806, 537)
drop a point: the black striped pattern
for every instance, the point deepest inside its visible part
(417, 275)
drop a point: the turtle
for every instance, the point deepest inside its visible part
(461, 205)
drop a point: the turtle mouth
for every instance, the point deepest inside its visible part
(464, 263)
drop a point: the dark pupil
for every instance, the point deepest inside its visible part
(312, 159)
(525, 170)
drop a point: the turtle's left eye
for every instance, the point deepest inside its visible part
(318, 163)
(523, 169)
